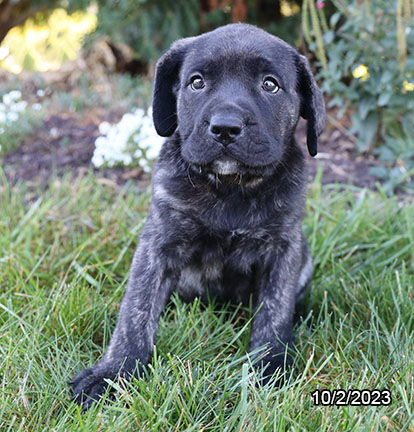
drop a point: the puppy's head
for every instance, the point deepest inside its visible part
(235, 96)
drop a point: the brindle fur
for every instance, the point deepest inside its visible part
(226, 214)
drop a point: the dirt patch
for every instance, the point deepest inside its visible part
(59, 144)
(64, 144)
(338, 159)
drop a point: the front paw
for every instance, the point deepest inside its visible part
(90, 385)
(276, 369)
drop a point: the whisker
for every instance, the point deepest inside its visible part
(189, 176)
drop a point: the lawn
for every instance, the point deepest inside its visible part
(65, 252)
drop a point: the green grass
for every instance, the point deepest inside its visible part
(64, 259)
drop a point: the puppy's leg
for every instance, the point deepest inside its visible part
(305, 278)
(306, 271)
(149, 288)
(273, 323)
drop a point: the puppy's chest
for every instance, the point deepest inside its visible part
(220, 267)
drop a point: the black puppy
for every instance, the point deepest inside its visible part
(228, 194)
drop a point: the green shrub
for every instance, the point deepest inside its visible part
(367, 65)
(147, 26)
(150, 26)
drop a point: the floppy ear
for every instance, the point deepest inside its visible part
(164, 101)
(312, 104)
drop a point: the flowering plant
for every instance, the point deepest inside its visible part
(15, 119)
(367, 65)
(132, 141)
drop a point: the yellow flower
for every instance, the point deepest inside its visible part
(361, 72)
(408, 86)
(289, 9)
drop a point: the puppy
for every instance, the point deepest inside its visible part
(228, 195)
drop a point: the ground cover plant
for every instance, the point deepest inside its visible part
(17, 120)
(64, 259)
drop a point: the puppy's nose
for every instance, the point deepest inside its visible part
(225, 128)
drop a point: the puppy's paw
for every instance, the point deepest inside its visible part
(276, 370)
(89, 386)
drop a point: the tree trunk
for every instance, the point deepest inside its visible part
(239, 11)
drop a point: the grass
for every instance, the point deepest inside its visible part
(64, 259)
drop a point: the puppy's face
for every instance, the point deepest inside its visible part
(237, 105)
(237, 94)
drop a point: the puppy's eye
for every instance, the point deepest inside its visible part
(197, 83)
(270, 85)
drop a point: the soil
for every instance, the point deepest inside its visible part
(64, 144)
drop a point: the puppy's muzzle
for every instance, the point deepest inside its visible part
(225, 166)
(225, 128)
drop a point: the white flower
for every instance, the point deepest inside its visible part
(97, 159)
(143, 163)
(40, 93)
(11, 106)
(12, 116)
(104, 128)
(114, 146)
(139, 113)
(100, 142)
(155, 148)
(11, 97)
(37, 106)
(127, 159)
(19, 106)
(15, 95)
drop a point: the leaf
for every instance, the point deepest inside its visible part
(379, 171)
(329, 36)
(384, 99)
(366, 134)
(365, 106)
(408, 126)
(334, 19)
(386, 77)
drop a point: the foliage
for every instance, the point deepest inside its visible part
(64, 259)
(14, 13)
(148, 26)
(367, 54)
(281, 18)
(46, 45)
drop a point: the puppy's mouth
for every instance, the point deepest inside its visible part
(225, 166)
(227, 170)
